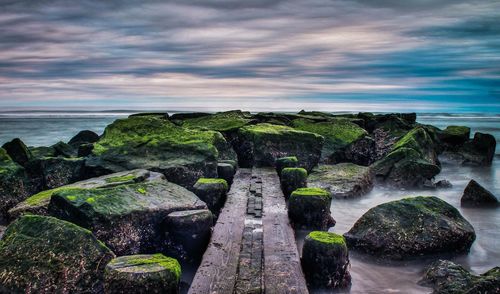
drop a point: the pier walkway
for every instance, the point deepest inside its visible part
(252, 248)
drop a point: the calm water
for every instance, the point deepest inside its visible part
(369, 275)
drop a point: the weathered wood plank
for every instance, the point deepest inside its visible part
(218, 270)
(282, 269)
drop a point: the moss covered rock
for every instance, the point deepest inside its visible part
(479, 151)
(153, 273)
(455, 135)
(262, 144)
(293, 178)
(411, 227)
(12, 184)
(212, 191)
(129, 218)
(18, 151)
(325, 260)
(343, 180)
(226, 171)
(283, 162)
(39, 202)
(83, 137)
(339, 134)
(310, 208)
(221, 121)
(446, 277)
(40, 254)
(155, 143)
(60, 171)
(188, 233)
(477, 195)
(412, 161)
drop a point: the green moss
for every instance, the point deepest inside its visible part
(118, 179)
(222, 121)
(336, 131)
(327, 237)
(301, 172)
(301, 192)
(168, 263)
(287, 160)
(141, 190)
(7, 165)
(213, 181)
(416, 139)
(457, 130)
(44, 196)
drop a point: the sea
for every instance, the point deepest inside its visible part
(369, 275)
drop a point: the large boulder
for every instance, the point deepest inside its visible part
(446, 277)
(455, 135)
(411, 163)
(39, 202)
(477, 195)
(59, 171)
(12, 184)
(83, 137)
(18, 151)
(262, 144)
(222, 121)
(129, 218)
(147, 273)
(478, 151)
(411, 227)
(213, 192)
(343, 180)
(342, 140)
(155, 143)
(40, 254)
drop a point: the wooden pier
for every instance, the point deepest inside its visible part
(252, 249)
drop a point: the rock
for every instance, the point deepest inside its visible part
(12, 184)
(189, 232)
(39, 202)
(362, 152)
(226, 171)
(343, 180)
(447, 277)
(325, 260)
(152, 273)
(234, 163)
(283, 162)
(222, 121)
(455, 135)
(162, 115)
(64, 150)
(412, 161)
(129, 217)
(310, 208)
(17, 151)
(443, 184)
(479, 151)
(262, 144)
(293, 178)
(476, 195)
(42, 254)
(84, 137)
(42, 151)
(60, 171)
(213, 192)
(188, 115)
(339, 133)
(85, 150)
(154, 143)
(411, 227)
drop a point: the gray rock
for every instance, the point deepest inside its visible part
(343, 180)
(477, 195)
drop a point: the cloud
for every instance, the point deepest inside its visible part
(119, 54)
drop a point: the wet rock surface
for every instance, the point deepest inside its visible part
(41, 254)
(293, 178)
(343, 180)
(476, 196)
(310, 208)
(446, 277)
(411, 227)
(212, 191)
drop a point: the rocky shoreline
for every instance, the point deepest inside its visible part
(154, 184)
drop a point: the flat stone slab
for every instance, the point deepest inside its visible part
(343, 180)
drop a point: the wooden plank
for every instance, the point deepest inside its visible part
(282, 269)
(218, 269)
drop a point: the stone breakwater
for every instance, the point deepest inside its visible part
(156, 184)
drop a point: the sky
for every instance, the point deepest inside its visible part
(260, 55)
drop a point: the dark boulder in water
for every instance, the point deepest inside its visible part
(40, 254)
(446, 277)
(411, 227)
(84, 137)
(477, 195)
(17, 151)
(477, 152)
(455, 135)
